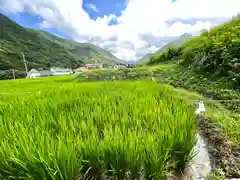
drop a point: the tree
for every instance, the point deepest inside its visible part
(172, 52)
(204, 32)
(188, 55)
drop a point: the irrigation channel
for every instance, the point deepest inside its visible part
(200, 166)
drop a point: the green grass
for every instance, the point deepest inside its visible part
(93, 130)
(38, 84)
(216, 175)
(226, 114)
(226, 120)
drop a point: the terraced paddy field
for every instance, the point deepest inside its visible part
(219, 124)
(53, 128)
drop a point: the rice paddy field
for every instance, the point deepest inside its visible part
(64, 130)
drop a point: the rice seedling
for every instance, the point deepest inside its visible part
(101, 130)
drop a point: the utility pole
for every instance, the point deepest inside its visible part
(25, 63)
(13, 71)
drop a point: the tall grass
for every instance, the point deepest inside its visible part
(94, 131)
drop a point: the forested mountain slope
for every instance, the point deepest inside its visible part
(43, 50)
(215, 53)
(145, 57)
(177, 42)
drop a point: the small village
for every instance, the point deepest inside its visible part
(57, 71)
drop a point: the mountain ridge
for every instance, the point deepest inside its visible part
(43, 50)
(177, 42)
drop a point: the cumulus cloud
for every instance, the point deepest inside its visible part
(157, 41)
(143, 27)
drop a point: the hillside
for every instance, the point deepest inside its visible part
(179, 41)
(76, 47)
(43, 50)
(145, 57)
(214, 53)
(183, 38)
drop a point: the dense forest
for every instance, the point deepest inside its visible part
(42, 50)
(215, 53)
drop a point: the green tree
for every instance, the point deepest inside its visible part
(188, 55)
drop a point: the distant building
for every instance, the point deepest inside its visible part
(33, 73)
(131, 65)
(119, 66)
(36, 74)
(107, 66)
(45, 73)
(82, 68)
(94, 66)
(57, 69)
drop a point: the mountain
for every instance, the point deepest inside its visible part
(43, 50)
(177, 42)
(215, 53)
(145, 57)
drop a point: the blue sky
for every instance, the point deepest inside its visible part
(104, 7)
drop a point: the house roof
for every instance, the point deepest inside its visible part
(33, 70)
(92, 64)
(82, 67)
(45, 73)
(61, 69)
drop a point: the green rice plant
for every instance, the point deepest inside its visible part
(108, 130)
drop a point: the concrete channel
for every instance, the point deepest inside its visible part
(200, 166)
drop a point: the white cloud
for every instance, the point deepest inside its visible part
(140, 18)
(92, 6)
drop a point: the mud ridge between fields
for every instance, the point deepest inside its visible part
(223, 154)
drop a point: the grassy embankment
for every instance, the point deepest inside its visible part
(225, 113)
(100, 129)
(220, 124)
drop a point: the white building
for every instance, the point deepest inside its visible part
(57, 69)
(119, 66)
(33, 73)
(61, 73)
(94, 66)
(53, 72)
